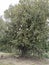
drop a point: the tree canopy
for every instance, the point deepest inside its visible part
(28, 26)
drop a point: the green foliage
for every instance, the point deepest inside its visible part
(2, 28)
(28, 26)
(2, 33)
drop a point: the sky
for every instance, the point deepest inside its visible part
(4, 4)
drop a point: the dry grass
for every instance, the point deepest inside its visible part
(8, 59)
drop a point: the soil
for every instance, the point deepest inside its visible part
(10, 60)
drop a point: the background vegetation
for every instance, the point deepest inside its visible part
(25, 29)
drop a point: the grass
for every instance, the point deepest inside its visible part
(13, 60)
(1, 63)
(5, 64)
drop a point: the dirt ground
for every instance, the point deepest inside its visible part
(23, 61)
(7, 60)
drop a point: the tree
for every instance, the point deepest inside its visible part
(2, 32)
(28, 27)
(2, 28)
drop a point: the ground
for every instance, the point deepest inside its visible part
(6, 59)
